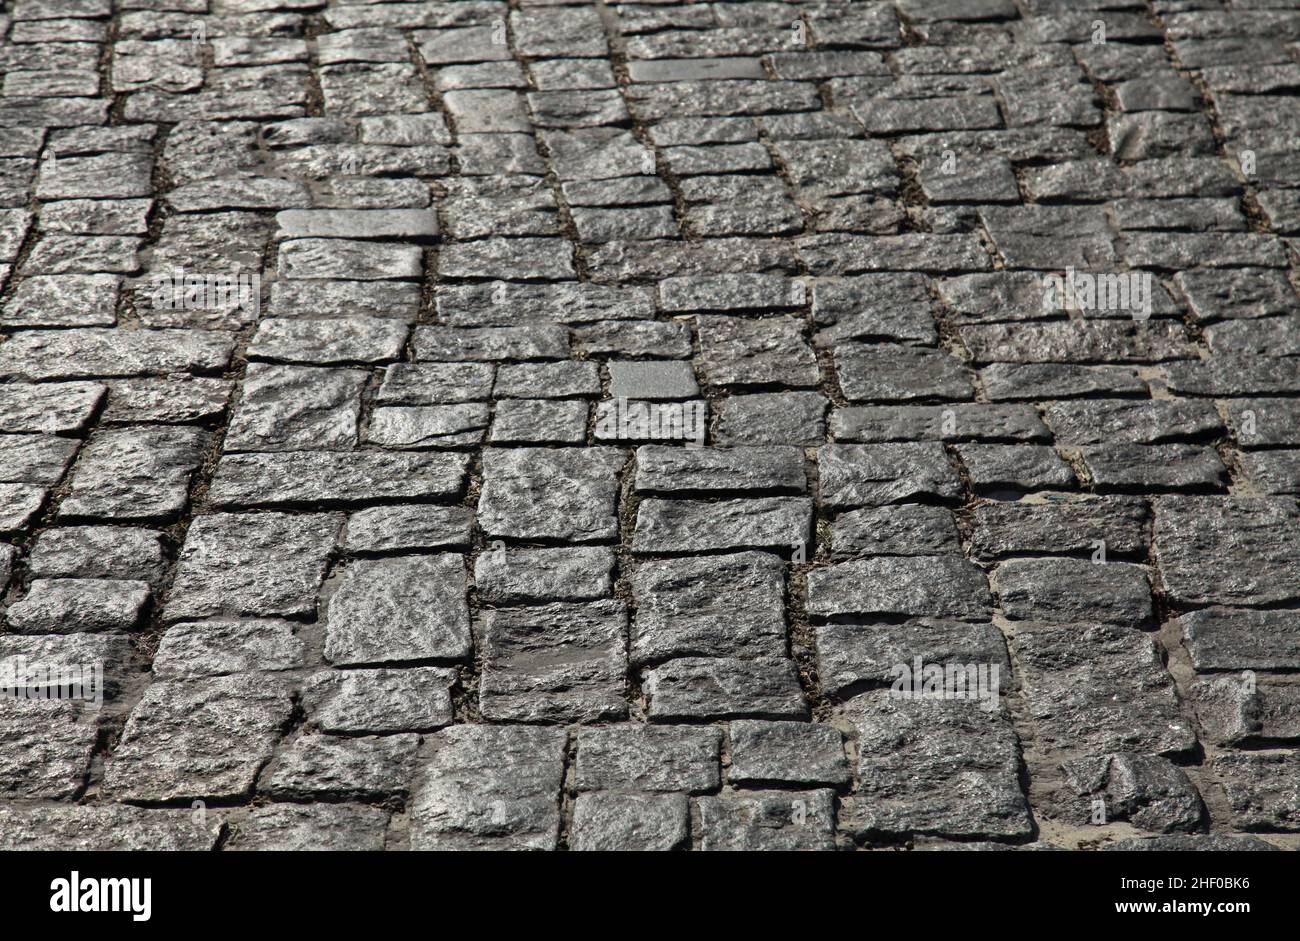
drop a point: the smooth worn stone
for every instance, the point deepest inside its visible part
(555, 663)
(654, 758)
(310, 827)
(723, 687)
(290, 408)
(310, 478)
(135, 474)
(676, 526)
(782, 822)
(198, 740)
(67, 605)
(519, 576)
(489, 787)
(1228, 550)
(853, 657)
(899, 529)
(1071, 590)
(666, 379)
(1099, 689)
(872, 475)
(629, 822)
(916, 586)
(264, 564)
(365, 768)
(99, 552)
(662, 469)
(537, 493)
(947, 768)
(722, 606)
(380, 701)
(395, 528)
(215, 648)
(793, 752)
(1116, 525)
(400, 608)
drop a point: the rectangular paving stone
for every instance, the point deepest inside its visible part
(783, 822)
(520, 576)
(45, 748)
(1220, 638)
(652, 758)
(795, 752)
(523, 499)
(217, 648)
(351, 768)
(917, 586)
(854, 475)
(674, 526)
(692, 688)
(629, 822)
(103, 827)
(135, 474)
(66, 605)
(310, 478)
(665, 470)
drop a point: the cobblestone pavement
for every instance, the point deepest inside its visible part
(357, 358)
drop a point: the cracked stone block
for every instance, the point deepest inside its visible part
(776, 523)
(742, 351)
(772, 418)
(310, 478)
(377, 702)
(73, 300)
(364, 768)
(266, 564)
(727, 605)
(400, 608)
(1228, 550)
(1060, 527)
(519, 576)
(311, 827)
(652, 758)
(662, 379)
(135, 474)
(558, 662)
(103, 827)
(70, 605)
(1150, 792)
(1261, 790)
(900, 529)
(1099, 689)
(536, 493)
(787, 752)
(690, 688)
(398, 528)
(290, 408)
(198, 740)
(489, 787)
(918, 586)
(1065, 591)
(899, 374)
(194, 649)
(662, 469)
(428, 426)
(98, 552)
(783, 822)
(1221, 638)
(45, 748)
(855, 475)
(946, 768)
(35, 459)
(630, 822)
(851, 657)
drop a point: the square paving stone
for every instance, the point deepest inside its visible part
(489, 787)
(772, 418)
(400, 608)
(653, 758)
(35, 459)
(1241, 639)
(45, 749)
(947, 768)
(743, 351)
(725, 605)
(434, 383)
(630, 822)
(945, 586)
(49, 408)
(198, 740)
(264, 564)
(555, 663)
(1001, 468)
(662, 379)
(793, 752)
(536, 493)
(1261, 790)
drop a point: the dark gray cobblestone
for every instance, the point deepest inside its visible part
(540, 424)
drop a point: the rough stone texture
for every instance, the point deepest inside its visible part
(667, 377)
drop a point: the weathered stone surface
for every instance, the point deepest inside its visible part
(536, 493)
(98, 552)
(1241, 639)
(353, 768)
(900, 529)
(1062, 591)
(45, 748)
(801, 820)
(416, 526)
(1060, 527)
(401, 608)
(776, 523)
(290, 408)
(796, 752)
(380, 701)
(854, 656)
(707, 687)
(916, 586)
(640, 822)
(216, 648)
(515, 576)
(135, 474)
(1261, 790)
(664, 470)
(310, 827)
(872, 475)
(310, 478)
(649, 758)
(67, 605)
(1150, 792)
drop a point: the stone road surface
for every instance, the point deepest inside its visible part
(400, 543)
